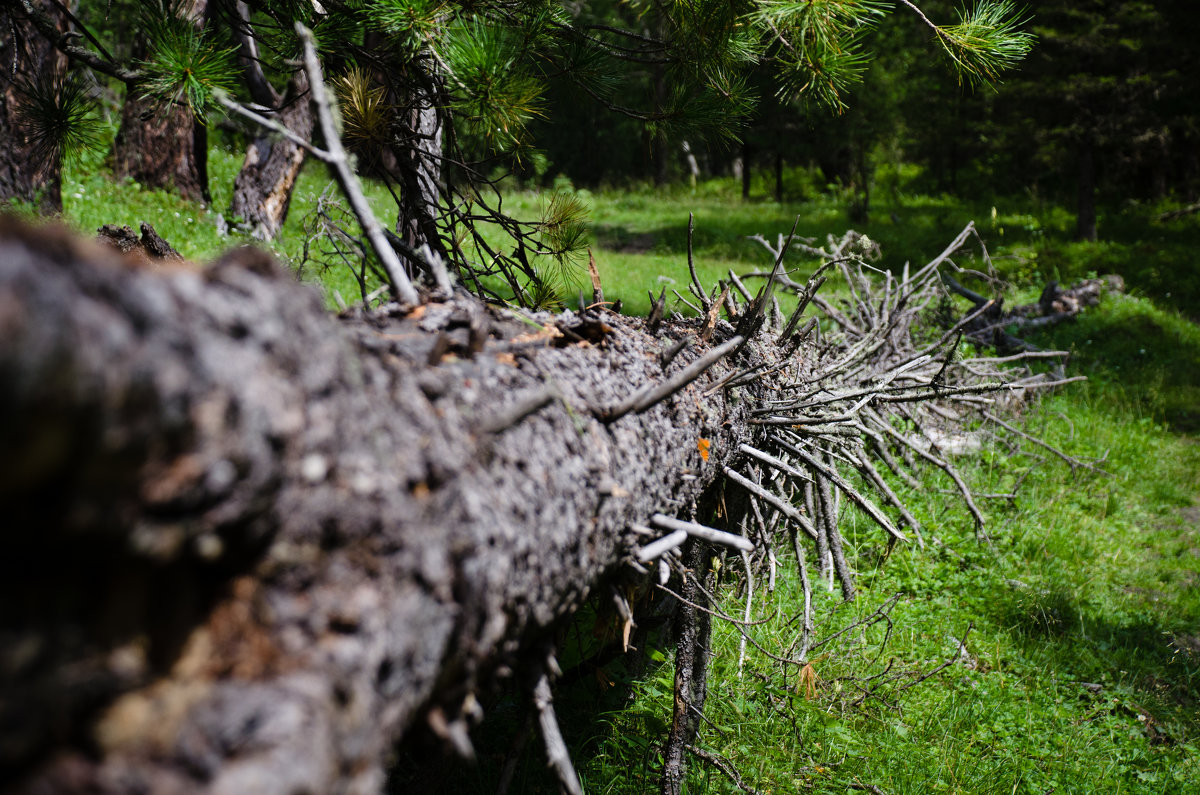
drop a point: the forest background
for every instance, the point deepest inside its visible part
(1082, 672)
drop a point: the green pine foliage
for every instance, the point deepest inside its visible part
(494, 94)
(411, 24)
(564, 234)
(59, 116)
(819, 46)
(366, 116)
(988, 40)
(186, 64)
(496, 72)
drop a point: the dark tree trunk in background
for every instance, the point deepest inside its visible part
(157, 146)
(1085, 218)
(860, 209)
(251, 545)
(263, 189)
(747, 153)
(163, 146)
(659, 144)
(779, 172)
(25, 53)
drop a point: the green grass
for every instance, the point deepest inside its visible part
(1084, 655)
(1088, 580)
(639, 236)
(1083, 667)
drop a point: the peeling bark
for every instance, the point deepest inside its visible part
(263, 189)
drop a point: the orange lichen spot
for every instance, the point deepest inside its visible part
(703, 446)
(547, 332)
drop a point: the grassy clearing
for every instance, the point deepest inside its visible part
(1082, 670)
(639, 236)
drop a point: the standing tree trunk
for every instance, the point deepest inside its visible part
(163, 146)
(418, 161)
(263, 188)
(747, 159)
(25, 53)
(1085, 218)
(778, 169)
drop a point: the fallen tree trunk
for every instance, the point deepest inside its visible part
(250, 543)
(253, 546)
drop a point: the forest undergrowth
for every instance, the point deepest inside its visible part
(1066, 646)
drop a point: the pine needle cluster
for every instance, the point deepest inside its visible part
(987, 41)
(59, 117)
(186, 65)
(493, 92)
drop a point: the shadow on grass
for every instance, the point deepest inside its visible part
(1142, 666)
(597, 683)
(1148, 355)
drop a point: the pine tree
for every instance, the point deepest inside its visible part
(1114, 99)
(162, 143)
(438, 97)
(36, 114)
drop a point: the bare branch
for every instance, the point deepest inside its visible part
(648, 397)
(347, 179)
(556, 749)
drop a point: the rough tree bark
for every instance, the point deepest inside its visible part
(163, 146)
(25, 53)
(253, 546)
(308, 533)
(263, 189)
